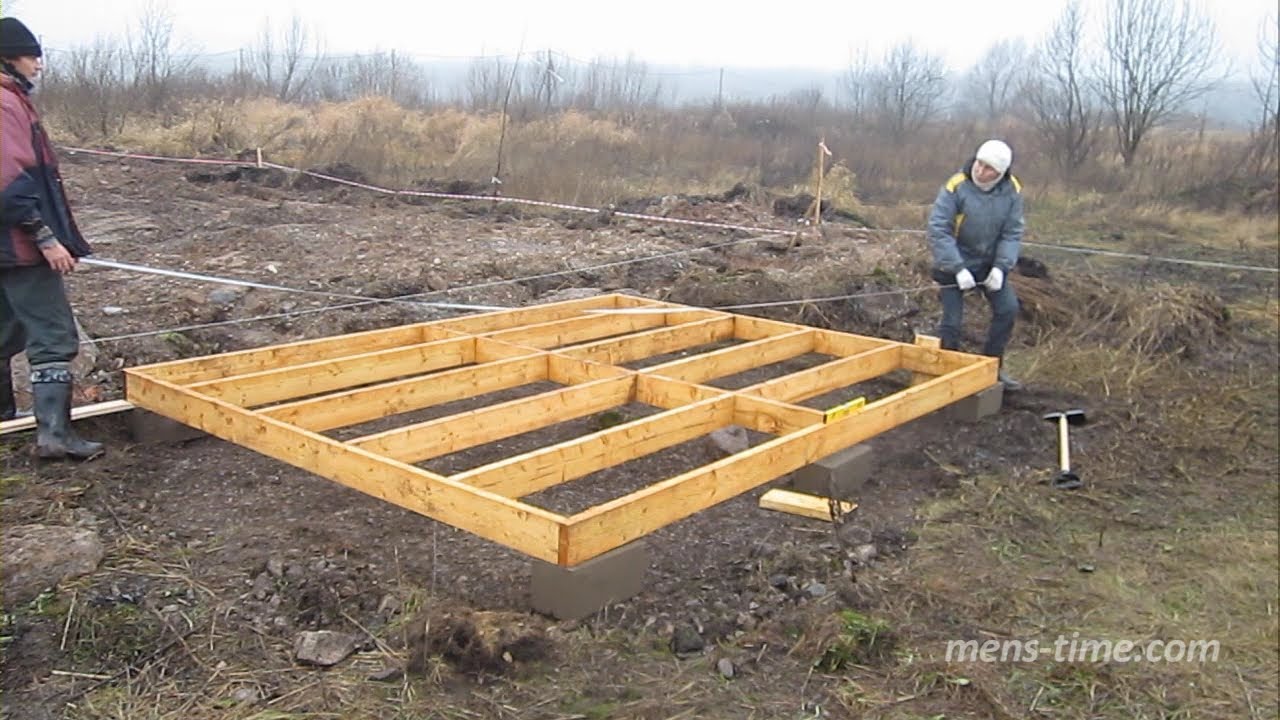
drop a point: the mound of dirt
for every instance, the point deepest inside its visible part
(475, 642)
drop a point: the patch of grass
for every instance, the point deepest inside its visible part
(858, 639)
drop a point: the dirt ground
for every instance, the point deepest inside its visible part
(218, 557)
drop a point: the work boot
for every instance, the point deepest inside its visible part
(8, 406)
(55, 438)
(1009, 383)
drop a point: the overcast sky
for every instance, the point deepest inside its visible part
(821, 35)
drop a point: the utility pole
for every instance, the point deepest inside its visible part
(720, 91)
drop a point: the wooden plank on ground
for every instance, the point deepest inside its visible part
(618, 522)
(619, 351)
(77, 413)
(364, 404)
(736, 359)
(450, 434)
(933, 361)
(272, 386)
(830, 376)
(532, 531)
(925, 341)
(241, 362)
(550, 466)
(802, 504)
(572, 371)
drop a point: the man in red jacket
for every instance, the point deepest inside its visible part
(39, 242)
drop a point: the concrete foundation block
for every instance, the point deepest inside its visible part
(839, 475)
(148, 428)
(576, 592)
(982, 404)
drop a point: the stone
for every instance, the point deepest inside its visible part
(323, 647)
(729, 440)
(37, 557)
(148, 428)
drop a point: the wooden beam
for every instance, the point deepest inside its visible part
(547, 312)
(802, 504)
(664, 393)
(362, 405)
(619, 351)
(773, 418)
(532, 531)
(534, 471)
(489, 350)
(572, 371)
(271, 386)
(109, 407)
(620, 521)
(830, 376)
(926, 341)
(736, 359)
(242, 362)
(830, 342)
(446, 435)
(746, 327)
(933, 361)
(576, 330)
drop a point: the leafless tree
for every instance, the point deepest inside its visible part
(91, 88)
(487, 82)
(857, 83)
(1058, 95)
(991, 84)
(906, 90)
(155, 54)
(1159, 55)
(1264, 145)
(281, 63)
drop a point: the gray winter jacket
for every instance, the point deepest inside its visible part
(972, 229)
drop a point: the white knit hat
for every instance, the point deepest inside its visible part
(996, 154)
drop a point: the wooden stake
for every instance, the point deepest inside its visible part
(823, 152)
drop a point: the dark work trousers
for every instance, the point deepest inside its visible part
(35, 315)
(1004, 311)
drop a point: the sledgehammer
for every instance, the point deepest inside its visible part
(1066, 480)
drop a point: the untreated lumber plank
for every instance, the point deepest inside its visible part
(624, 519)
(450, 434)
(772, 417)
(572, 371)
(547, 312)
(576, 330)
(736, 359)
(664, 393)
(538, 470)
(532, 531)
(400, 396)
(271, 386)
(489, 350)
(241, 362)
(830, 342)
(650, 343)
(746, 327)
(934, 361)
(77, 413)
(802, 504)
(829, 376)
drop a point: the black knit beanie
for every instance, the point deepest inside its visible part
(16, 40)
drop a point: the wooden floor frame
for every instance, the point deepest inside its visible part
(279, 400)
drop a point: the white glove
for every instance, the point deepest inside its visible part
(995, 280)
(965, 280)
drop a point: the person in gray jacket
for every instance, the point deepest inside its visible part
(975, 233)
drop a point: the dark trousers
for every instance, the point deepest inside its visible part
(1004, 311)
(35, 315)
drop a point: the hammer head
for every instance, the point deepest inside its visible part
(1074, 417)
